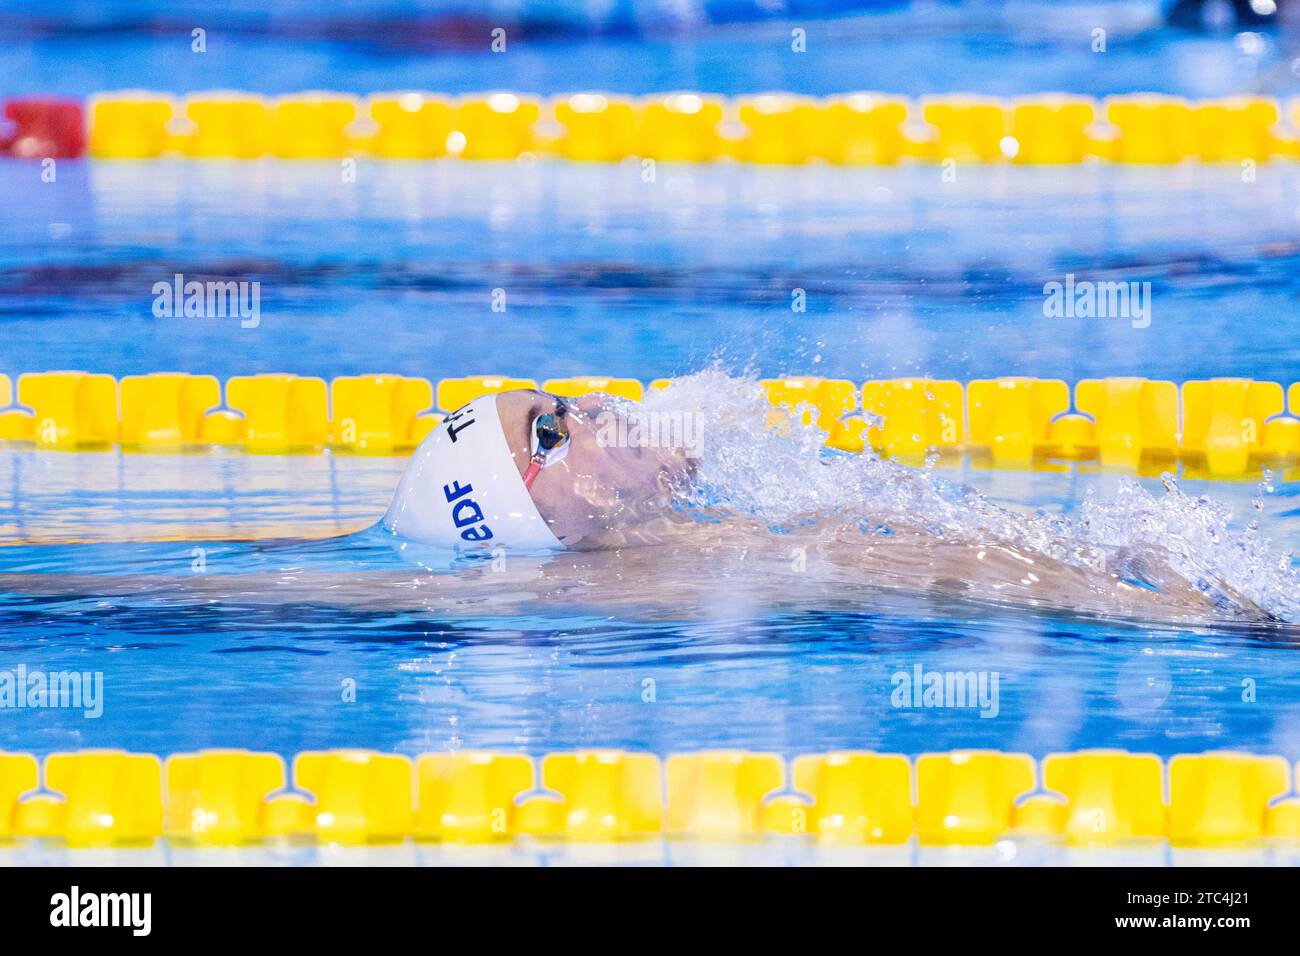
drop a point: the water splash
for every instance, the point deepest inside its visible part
(786, 478)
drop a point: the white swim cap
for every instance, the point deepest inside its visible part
(462, 487)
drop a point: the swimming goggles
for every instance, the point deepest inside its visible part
(550, 442)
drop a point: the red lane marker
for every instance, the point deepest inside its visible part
(44, 127)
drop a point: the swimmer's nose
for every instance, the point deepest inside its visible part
(590, 404)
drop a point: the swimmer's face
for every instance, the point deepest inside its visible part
(598, 494)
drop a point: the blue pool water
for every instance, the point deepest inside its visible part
(1002, 48)
(254, 645)
(604, 273)
(145, 567)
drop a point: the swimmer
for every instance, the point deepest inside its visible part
(526, 471)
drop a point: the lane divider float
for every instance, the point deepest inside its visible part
(1213, 428)
(353, 797)
(771, 128)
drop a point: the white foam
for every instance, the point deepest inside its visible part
(786, 478)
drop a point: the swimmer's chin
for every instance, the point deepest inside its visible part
(616, 539)
(630, 529)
